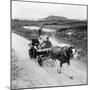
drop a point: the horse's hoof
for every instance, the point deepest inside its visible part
(59, 71)
(71, 77)
(52, 65)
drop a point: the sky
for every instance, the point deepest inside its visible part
(35, 11)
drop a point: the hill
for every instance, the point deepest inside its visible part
(52, 17)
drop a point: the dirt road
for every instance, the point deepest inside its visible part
(32, 75)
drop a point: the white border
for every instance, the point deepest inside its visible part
(5, 44)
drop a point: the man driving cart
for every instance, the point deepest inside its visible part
(47, 43)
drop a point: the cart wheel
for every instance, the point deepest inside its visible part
(30, 54)
(40, 61)
(34, 53)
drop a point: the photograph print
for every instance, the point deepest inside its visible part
(49, 45)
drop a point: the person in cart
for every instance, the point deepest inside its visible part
(47, 43)
(33, 47)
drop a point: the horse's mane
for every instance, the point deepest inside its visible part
(65, 50)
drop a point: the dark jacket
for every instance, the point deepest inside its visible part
(35, 42)
(47, 44)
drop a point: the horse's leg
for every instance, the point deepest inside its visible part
(69, 70)
(60, 69)
(53, 62)
(40, 61)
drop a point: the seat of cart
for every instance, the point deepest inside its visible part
(43, 50)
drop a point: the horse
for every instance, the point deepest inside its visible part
(62, 54)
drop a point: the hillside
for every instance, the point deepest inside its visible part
(56, 18)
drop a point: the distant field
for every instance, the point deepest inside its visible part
(52, 24)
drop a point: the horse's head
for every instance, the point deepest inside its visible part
(71, 51)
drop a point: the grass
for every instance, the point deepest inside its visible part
(15, 68)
